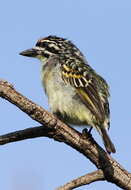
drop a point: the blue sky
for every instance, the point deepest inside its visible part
(102, 30)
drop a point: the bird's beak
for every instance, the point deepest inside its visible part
(30, 52)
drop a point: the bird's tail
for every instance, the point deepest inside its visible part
(107, 141)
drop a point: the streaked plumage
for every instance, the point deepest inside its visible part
(76, 93)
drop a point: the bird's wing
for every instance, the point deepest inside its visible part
(81, 78)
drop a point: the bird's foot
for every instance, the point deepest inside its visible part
(86, 133)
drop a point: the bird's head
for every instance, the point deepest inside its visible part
(52, 45)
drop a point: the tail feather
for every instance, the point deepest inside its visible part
(107, 141)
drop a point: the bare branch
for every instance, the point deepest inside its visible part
(112, 170)
(28, 133)
(83, 180)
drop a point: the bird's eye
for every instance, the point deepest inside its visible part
(52, 50)
(42, 44)
(50, 47)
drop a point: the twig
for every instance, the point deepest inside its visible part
(28, 133)
(83, 180)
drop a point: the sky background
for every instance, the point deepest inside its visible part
(102, 30)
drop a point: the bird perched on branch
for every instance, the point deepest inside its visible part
(76, 93)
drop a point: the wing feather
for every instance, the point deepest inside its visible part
(86, 89)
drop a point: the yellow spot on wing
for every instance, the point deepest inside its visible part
(71, 75)
(66, 68)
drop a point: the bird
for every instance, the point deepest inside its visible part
(76, 93)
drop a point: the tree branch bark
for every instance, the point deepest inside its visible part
(33, 132)
(83, 180)
(86, 145)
